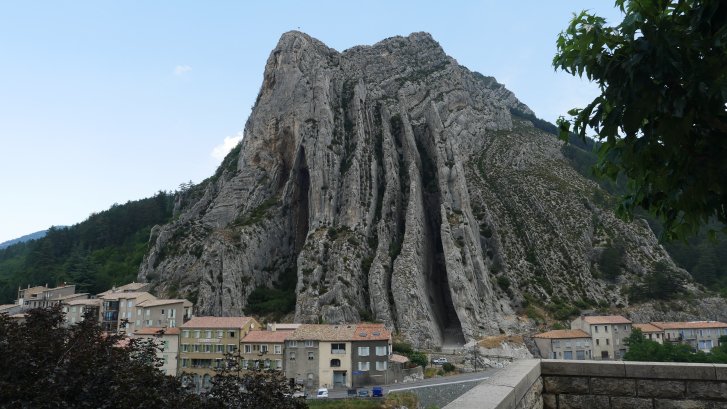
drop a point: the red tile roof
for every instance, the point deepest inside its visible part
(267, 336)
(371, 332)
(647, 328)
(690, 325)
(606, 319)
(563, 334)
(217, 322)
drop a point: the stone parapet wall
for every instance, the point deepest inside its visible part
(518, 386)
(596, 385)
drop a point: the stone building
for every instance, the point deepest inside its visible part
(162, 313)
(168, 340)
(75, 310)
(701, 335)
(204, 343)
(651, 332)
(607, 334)
(564, 344)
(264, 349)
(370, 353)
(43, 296)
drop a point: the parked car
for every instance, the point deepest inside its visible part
(300, 394)
(322, 393)
(363, 393)
(439, 361)
(351, 393)
(377, 392)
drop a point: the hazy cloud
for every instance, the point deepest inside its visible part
(182, 69)
(221, 150)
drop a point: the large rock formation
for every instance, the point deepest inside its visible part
(393, 182)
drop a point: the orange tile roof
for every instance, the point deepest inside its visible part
(217, 322)
(563, 334)
(324, 332)
(267, 336)
(157, 331)
(690, 325)
(371, 332)
(647, 328)
(120, 295)
(606, 319)
(84, 301)
(399, 358)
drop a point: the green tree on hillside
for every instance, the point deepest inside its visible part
(660, 117)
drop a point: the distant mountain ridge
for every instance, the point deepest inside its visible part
(32, 236)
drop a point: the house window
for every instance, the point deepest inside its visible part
(172, 323)
(263, 349)
(595, 327)
(580, 355)
(185, 334)
(277, 349)
(291, 356)
(129, 304)
(196, 333)
(363, 351)
(293, 344)
(220, 333)
(382, 351)
(184, 362)
(309, 344)
(231, 348)
(248, 348)
(148, 312)
(598, 342)
(335, 363)
(380, 365)
(172, 313)
(605, 328)
(608, 341)
(267, 364)
(556, 343)
(278, 364)
(245, 363)
(208, 334)
(207, 348)
(311, 356)
(139, 311)
(567, 354)
(338, 348)
(231, 334)
(149, 322)
(220, 348)
(162, 311)
(363, 366)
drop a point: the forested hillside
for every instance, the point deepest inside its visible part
(102, 251)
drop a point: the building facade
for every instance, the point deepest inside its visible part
(75, 310)
(607, 334)
(264, 349)
(162, 313)
(651, 332)
(204, 344)
(700, 335)
(43, 296)
(168, 340)
(564, 344)
(370, 353)
(119, 306)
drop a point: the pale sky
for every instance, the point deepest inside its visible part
(104, 102)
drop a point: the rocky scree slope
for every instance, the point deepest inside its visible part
(390, 182)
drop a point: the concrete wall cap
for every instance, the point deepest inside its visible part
(563, 367)
(670, 370)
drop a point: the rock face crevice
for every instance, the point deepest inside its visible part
(390, 183)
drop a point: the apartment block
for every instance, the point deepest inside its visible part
(564, 344)
(43, 296)
(264, 349)
(607, 334)
(651, 332)
(75, 310)
(204, 343)
(701, 335)
(162, 313)
(168, 340)
(119, 306)
(371, 350)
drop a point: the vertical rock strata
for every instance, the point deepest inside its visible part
(395, 183)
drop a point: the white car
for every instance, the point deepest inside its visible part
(322, 393)
(439, 361)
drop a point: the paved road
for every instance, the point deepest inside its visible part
(444, 380)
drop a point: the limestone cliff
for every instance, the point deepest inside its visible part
(393, 182)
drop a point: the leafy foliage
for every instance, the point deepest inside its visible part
(104, 250)
(251, 389)
(660, 283)
(645, 350)
(417, 358)
(43, 365)
(661, 114)
(278, 300)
